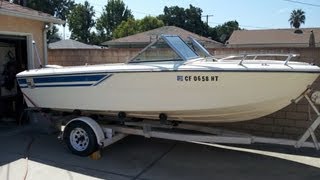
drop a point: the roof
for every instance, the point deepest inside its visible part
(273, 38)
(144, 38)
(11, 9)
(71, 44)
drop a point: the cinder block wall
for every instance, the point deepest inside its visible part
(76, 57)
(289, 122)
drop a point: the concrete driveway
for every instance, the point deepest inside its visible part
(30, 154)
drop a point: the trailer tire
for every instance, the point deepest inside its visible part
(80, 138)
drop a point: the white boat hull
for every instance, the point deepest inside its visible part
(185, 96)
(168, 76)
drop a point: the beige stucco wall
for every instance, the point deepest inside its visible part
(12, 25)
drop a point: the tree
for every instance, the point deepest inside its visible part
(81, 21)
(188, 19)
(131, 26)
(62, 10)
(53, 36)
(56, 8)
(173, 16)
(194, 22)
(297, 18)
(113, 14)
(94, 38)
(126, 28)
(223, 32)
(148, 23)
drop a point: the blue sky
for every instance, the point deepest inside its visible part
(251, 14)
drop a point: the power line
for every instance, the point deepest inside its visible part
(207, 17)
(139, 12)
(240, 25)
(257, 27)
(299, 2)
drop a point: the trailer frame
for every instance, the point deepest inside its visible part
(107, 134)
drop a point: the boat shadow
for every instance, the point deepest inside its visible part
(136, 157)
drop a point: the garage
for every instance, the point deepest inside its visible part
(23, 45)
(13, 53)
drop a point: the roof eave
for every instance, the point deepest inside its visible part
(32, 17)
(125, 43)
(276, 45)
(113, 43)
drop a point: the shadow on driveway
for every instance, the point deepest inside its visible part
(139, 158)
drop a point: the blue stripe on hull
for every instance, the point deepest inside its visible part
(63, 85)
(103, 79)
(22, 81)
(59, 79)
(64, 81)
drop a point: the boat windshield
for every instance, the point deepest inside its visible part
(199, 48)
(166, 48)
(176, 43)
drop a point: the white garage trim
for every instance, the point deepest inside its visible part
(30, 58)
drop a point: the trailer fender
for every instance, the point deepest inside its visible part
(94, 126)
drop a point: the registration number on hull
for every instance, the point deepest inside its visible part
(197, 78)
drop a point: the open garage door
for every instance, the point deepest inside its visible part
(13, 59)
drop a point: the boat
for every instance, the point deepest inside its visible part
(174, 80)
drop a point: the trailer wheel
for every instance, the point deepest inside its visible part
(80, 138)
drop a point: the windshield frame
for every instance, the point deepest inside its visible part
(185, 52)
(200, 47)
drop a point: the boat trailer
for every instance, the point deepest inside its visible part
(84, 135)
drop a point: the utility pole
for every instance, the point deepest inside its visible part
(207, 17)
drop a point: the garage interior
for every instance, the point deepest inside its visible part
(13, 59)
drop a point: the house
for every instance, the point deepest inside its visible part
(21, 25)
(22, 40)
(144, 38)
(304, 41)
(71, 44)
(274, 38)
(71, 52)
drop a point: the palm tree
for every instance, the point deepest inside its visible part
(297, 18)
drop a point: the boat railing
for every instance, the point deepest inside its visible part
(255, 56)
